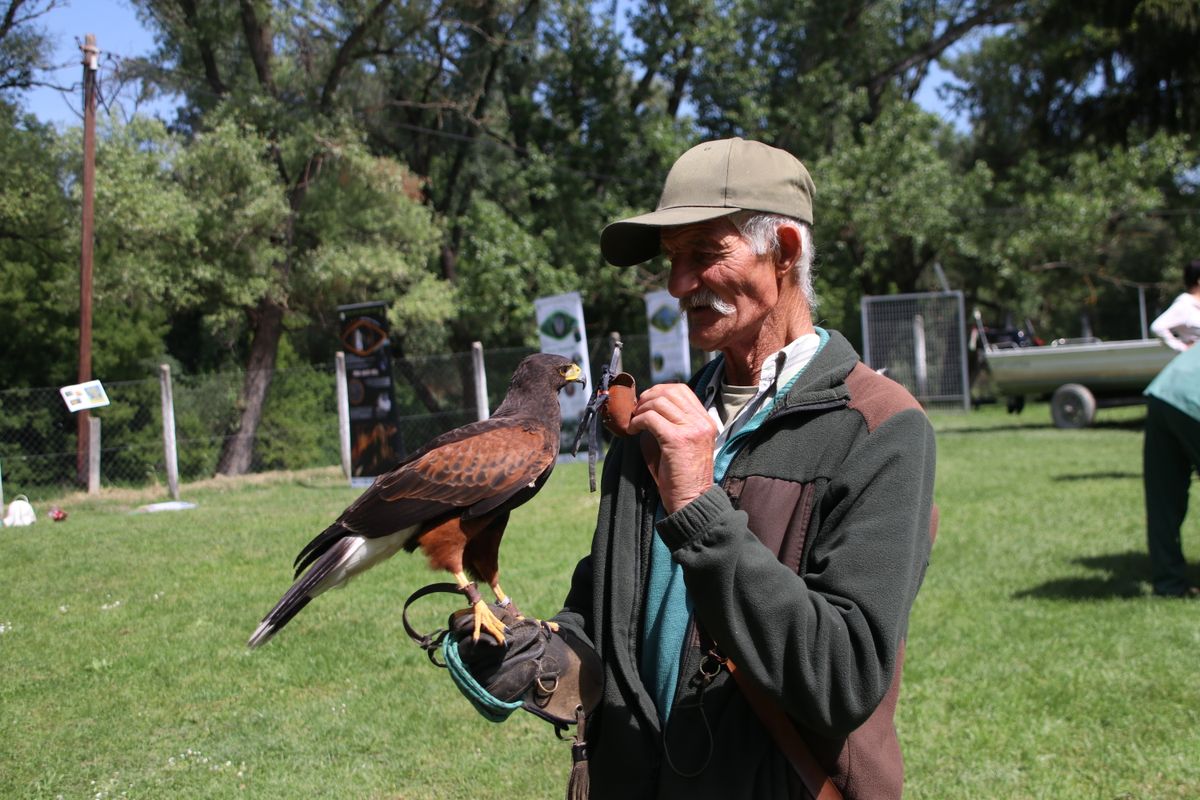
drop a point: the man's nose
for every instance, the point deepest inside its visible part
(682, 280)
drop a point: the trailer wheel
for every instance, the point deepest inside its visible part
(1072, 406)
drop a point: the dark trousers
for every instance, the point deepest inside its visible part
(1170, 453)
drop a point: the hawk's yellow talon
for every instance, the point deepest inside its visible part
(485, 619)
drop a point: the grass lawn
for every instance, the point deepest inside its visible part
(1038, 666)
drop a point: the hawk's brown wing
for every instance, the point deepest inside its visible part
(483, 469)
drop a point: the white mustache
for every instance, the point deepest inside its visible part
(703, 298)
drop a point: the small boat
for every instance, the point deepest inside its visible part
(1078, 374)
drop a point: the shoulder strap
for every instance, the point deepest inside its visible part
(786, 737)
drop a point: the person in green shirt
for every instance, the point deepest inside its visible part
(1170, 454)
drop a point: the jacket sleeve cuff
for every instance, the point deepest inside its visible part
(691, 522)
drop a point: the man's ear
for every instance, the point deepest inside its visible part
(790, 247)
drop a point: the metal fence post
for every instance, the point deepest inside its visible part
(481, 402)
(168, 417)
(93, 477)
(343, 407)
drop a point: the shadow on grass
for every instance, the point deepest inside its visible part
(1120, 424)
(1012, 426)
(1113, 425)
(1097, 476)
(1123, 576)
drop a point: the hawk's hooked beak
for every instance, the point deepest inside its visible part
(573, 374)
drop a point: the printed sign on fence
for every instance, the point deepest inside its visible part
(82, 396)
(375, 441)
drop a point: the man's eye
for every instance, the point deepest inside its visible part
(692, 255)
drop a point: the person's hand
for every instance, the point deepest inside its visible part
(675, 417)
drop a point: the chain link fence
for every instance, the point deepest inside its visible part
(39, 442)
(298, 430)
(918, 341)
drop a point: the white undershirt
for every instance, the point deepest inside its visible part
(776, 372)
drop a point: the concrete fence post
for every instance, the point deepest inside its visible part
(93, 478)
(170, 453)
(343, 407)
(921, 361)
(481, 400)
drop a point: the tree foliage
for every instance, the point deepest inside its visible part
(22, 44)
(317, 218)
(457, 159)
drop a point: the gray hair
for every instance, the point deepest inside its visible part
(761, 231)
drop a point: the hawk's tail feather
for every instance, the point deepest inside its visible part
(301, 592)
(319, 545)
(273, 622)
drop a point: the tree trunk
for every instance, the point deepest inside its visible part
(268, 329)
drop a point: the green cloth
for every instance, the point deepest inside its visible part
(668, 610)
(1179, 382)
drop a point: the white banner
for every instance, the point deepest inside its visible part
(560, 330)
(670, 358)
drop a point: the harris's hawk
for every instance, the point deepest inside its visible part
(451, 498)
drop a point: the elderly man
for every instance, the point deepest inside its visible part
(763, 533)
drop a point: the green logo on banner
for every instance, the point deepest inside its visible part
(559, 325)
(665, 317)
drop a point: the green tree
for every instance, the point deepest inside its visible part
(1081, 243)
(890, 204)
(38, 283)
(22, 44)
(521, 118)
(834, 84)
(1072, 75)
(316, 219)
(1086, 114)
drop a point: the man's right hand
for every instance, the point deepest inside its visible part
(685, 433)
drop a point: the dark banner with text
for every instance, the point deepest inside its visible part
(375, 441)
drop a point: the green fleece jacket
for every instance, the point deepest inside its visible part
(803, 566)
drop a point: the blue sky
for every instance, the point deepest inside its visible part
(119, 33)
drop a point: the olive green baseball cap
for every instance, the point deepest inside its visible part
(714, 179)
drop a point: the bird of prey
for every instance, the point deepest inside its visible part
(451, 498)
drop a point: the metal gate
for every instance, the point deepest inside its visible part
(919, 341)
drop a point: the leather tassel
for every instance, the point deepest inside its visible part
(579, 784)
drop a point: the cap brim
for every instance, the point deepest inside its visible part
(634, 240)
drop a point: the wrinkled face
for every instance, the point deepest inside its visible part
(710, 261)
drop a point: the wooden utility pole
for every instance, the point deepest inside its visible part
(91, 64)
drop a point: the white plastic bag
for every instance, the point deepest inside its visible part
(20, 512)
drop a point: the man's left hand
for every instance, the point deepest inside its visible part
(675, 417)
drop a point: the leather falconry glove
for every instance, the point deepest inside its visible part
(549, 673)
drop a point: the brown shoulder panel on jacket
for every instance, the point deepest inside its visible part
(877, 397)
